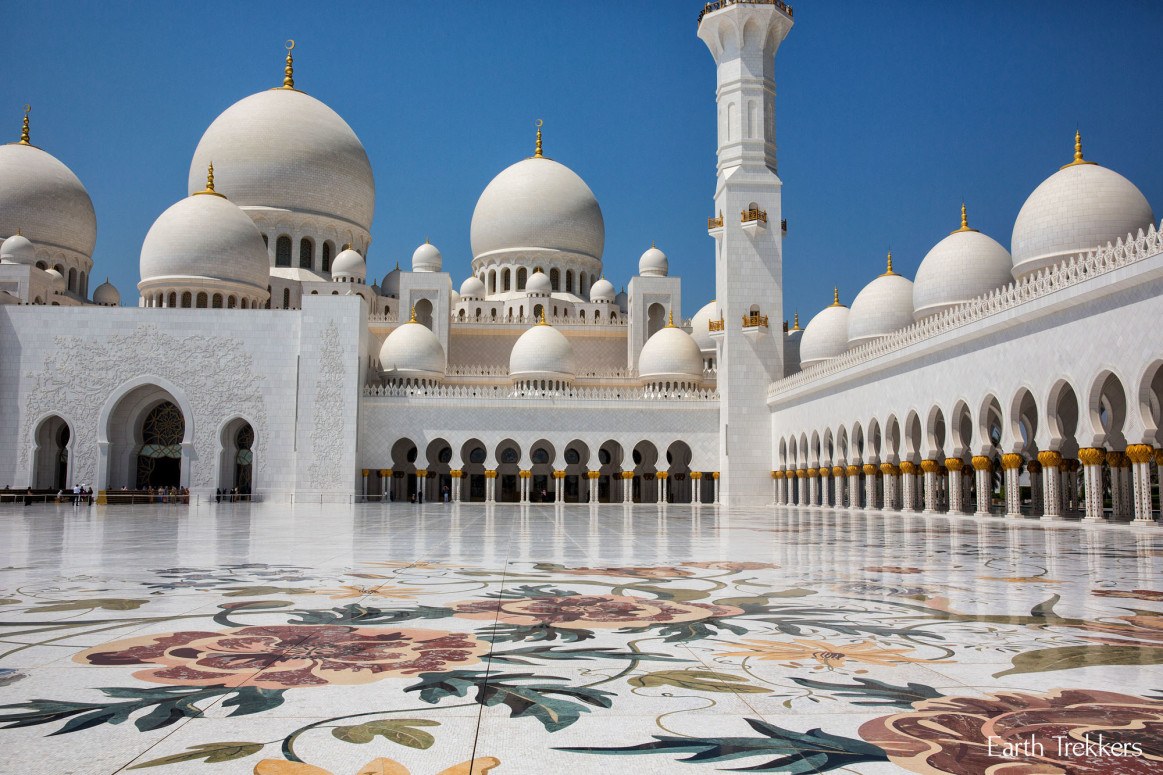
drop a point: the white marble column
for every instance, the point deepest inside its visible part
(953, 466)
(813, 487)
(715, 479)
(930, 468)
(698, 485)
(838, 487)
(1092, 459)
(983, 482)
(890, 472)
(870, 470)
(1140, 456)
(1051, 484)
(1011, 464)
(908, 485)
(1034, 468)
(825, 489)
(490, 486)
(1121, 497)
(661, 478)
(627, 486)
(853, 472)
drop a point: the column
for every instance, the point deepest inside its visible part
(1073, 470)
(1159, 479)
(930, 469)
(853, 472)
(889, 472)
(1092, 459)
(1034, 469)
(837, 487)
(776, 476)
(825, 491)
(983, 481)
(627, 487)
(953, 467)
(715, 479)
(1011, 464)
(662, 477)
(364, 476)
(1051, 484)
(1120, 468)
(697, 478)
(421, 479)
(870, 471)
(559, 486)
(385, 483)
(490, 486)
(592, 485)
(908, 485)
(813, 487)
(1140, 456)
(456, 474)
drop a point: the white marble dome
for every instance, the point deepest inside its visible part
(42, 199)
(107, 295)
(538, 282)
(602, 290)
(883, 306)
(427, 258)
(653, 263)
(349, 265)
(205, 236)
(286, 150)
(391, 283)
(961, 267)
(670, 355)
(1080, 207)
(17, 250)
(412, 350)
(472, 288)
(700, 328)
(537, 204)
(542, 352)
(56, 278)
(826, 335)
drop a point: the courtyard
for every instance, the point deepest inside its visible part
(398, 638)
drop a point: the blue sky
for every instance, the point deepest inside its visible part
(888, 114)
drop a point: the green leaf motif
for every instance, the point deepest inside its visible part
(798, 753)
(106, 603)
(355, 614)
(402, 731)
(1071, 657)
(212, 753)
(875, 693)
(261, 591)
(698, 681)
(523, 656)
(9, 601)
(681, 632)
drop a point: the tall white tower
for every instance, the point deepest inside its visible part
(743, 36)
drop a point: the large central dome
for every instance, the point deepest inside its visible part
(42, 199)
(284, 149)
(538, 205)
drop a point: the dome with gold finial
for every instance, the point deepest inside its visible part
(883, 306)
(412, 351)
(283, 149)
(826, 335)
(1080, 207)
(43, 200)
(535, 211)
(542, 352)
(962, 266)
(107, 295)
(653, 263)
(671, 355)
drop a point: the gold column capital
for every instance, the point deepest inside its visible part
(490, 473)
(930, 466)
(1091, 456)
(1116, 459)
(954, 463)
(365, 472)
(852, 470)
(1140, 453)
(697, 474)
(982, 463)
(456, 473)
(1011, 461)
(888, 469)
(715, 475)
(908, 467)
(1049, 457)
(869, 469)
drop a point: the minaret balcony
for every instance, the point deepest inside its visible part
(753, 220)
(715, 225)
(716, 328)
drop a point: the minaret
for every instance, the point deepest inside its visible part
(743, 37)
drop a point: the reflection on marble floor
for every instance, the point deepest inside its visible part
(299, 640)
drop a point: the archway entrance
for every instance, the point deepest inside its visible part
(159, 460)
(236, 474)
(51, 464)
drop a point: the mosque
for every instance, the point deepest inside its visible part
(1019, 382)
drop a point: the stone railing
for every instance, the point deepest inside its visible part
(1078, 269)
(718, 4)
(470, 371)
(529, 320)
(508, 392)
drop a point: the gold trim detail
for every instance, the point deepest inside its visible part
(982, 463)
(1091, 456)
(1011, 461)
(1140, 453)
(24, 136)
(954, 463)
(1050, 458)
(964, 222)
(1077, 152)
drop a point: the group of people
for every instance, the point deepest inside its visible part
(226, 495)
(170, 494)
(80, 496)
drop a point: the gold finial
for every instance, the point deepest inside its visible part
(426, 242)
(24, 129)
(964, 221)
(796, 327)
(542, 321)
(670, 319)
(1077, 152)
(889, 271)
(836, 297)
(346, 246)
(289, 70)
(652, 245)
(537, 149)
(210, 183)
(413, 318)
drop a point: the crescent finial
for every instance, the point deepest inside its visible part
(290, 44)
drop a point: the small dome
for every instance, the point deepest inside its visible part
(670, 355)
(622, 300)
(472, 288)
(453, 299)
(538, 283)
(700, 328)
(412, 350)
(427, 258)
(961, 267)
(602, 290)
(542, 352)
(107, 295)
(538, 204)
(826, 335)
(391, 284)
(1080, 207)
(17, 250)
(205, 236)
(286, 150)
(653, 263)
(883, 306)
(349, 264)
(42, 199)
(56, 278)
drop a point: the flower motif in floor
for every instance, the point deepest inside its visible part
(359, 591)
(734, 567)
(288, 656)
(652, 572)
(1026, 732)
(591, 611)
(827, 656)
(478, 766)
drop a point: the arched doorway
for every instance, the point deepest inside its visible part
(159, 458)
(51, 462)
(645, 455)
(403, 487)
(610, 472)
(655, 319)
(508, 472)
(472, 484)
(237, 465)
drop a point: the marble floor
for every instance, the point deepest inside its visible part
(376, 638)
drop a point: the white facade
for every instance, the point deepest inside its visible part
(285, 370)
